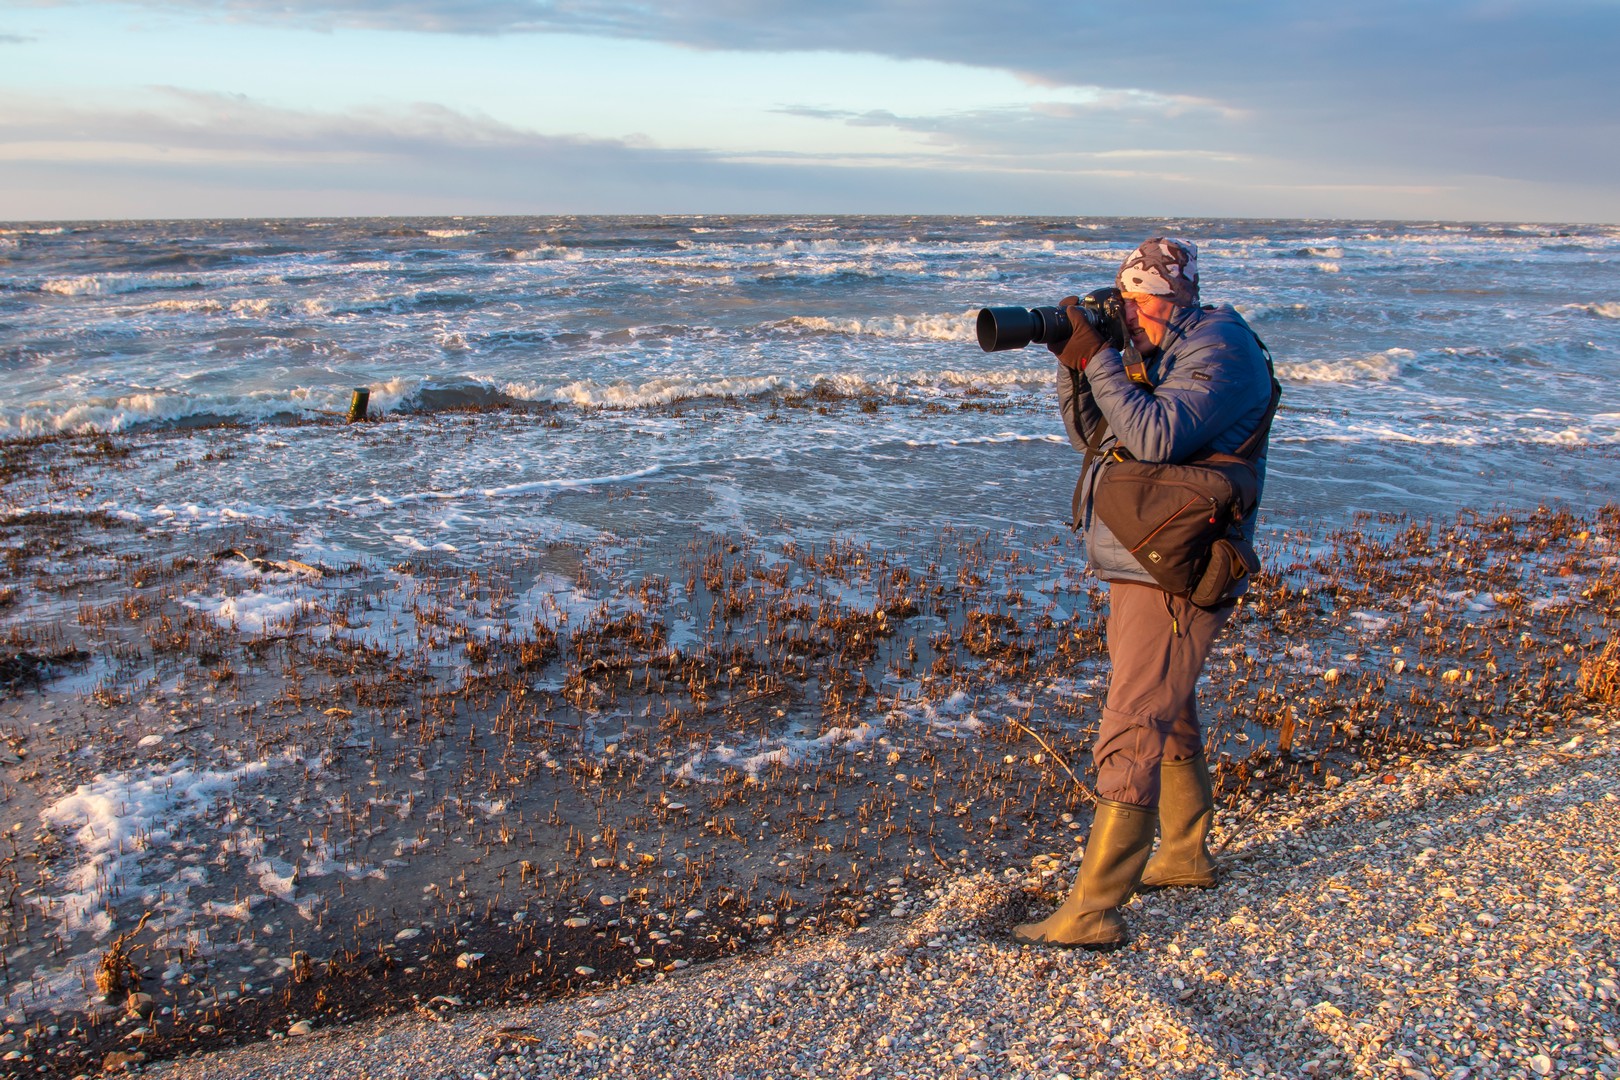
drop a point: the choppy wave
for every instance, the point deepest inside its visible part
(1264, 312)
(541, 253)
(131, 412)
(667, 391)
(1378, 367)
(101, 284)
(913, 328)
(122, 326)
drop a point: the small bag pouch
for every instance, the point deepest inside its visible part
(1231, 560)
(1169, 516)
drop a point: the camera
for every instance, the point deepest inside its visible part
(1002, 328)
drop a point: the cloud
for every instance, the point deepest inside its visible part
(1057, 136)
(174, 152)
(15, 39)
(420, 148)
(1501, 88)
(183, 153)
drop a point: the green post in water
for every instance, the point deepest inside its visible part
(357, 406)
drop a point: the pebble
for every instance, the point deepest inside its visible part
(1331, 948)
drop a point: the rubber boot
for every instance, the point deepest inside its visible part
(1186, 813)
(1116, 851)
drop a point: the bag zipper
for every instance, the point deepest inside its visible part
(1214, 507)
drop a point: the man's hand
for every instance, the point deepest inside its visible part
(1083, 342)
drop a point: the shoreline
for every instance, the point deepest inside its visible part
(341, 791)
(1438, 925)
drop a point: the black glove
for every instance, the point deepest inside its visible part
(1083, 341)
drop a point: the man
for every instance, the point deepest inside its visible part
(1203, 384)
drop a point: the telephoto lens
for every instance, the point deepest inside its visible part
(1002, 328)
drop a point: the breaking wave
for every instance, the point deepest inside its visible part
(917, 328)
(1377, 367)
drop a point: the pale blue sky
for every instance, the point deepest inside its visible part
(161, 108)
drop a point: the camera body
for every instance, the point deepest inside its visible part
(1002, 328)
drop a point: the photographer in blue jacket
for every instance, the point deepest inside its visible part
(1203, 383)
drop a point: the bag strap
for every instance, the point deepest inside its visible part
(1249, 451)
(1098, 433)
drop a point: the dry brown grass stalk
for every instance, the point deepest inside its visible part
(1599, 678)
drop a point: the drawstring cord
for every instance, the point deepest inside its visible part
(1175, 623)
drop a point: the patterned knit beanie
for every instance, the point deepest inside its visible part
(1162, 266)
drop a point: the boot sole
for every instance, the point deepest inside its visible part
(1147, 887)
(1089, 946)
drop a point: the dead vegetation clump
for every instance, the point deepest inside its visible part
(1599, 677)
(116, 974)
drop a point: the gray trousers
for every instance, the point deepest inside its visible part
(1157, 644)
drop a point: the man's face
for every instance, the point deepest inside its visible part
(1148, 318)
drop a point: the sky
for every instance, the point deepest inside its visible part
(1414, 109)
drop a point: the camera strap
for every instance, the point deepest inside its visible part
(1135, 367)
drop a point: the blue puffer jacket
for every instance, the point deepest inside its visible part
(1212, 387)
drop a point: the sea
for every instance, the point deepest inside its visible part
(586, 379)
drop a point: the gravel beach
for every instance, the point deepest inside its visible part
(1455, 917)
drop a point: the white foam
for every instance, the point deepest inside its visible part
(1609, 310)
(74, 286)
(183, 307)
(99, 284)
(1378, 367)
(116, 819)
(252, 613)
(669, 390)
(953, 717)
(790, 753)
(958, 327)
(129, 411)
